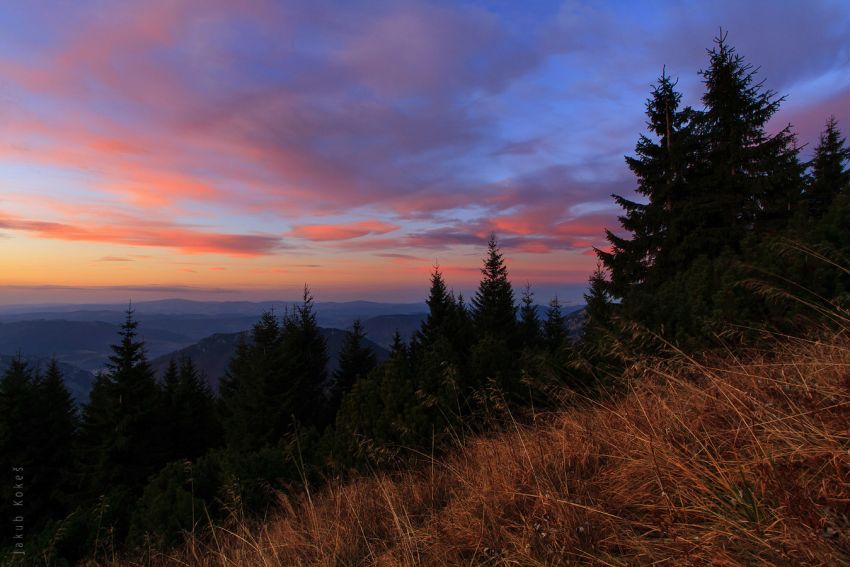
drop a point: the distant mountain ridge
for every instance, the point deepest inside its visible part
(191, 307)
(77, 380)
(212, 355)
(79, 336)
(84, 344)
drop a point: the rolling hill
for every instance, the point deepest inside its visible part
(212, 354)
(84, 344)
(77, 380)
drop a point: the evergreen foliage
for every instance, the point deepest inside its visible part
(494, 358)
(719, 192)
(599, 307)
(192, 416)
(661, 227)
(18, 404)
(440, 311)
(381, 414)
(356, 361)
(305, 359)
(529, 322)
(747, 179)
(554, 329)
(53, 438)
(494, 309)
(830, 177)
(123, 433)
(257, 399)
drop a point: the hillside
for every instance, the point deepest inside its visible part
(723, 461)
(84, 344)
(80, 334)
(382, 328)
(199, 319)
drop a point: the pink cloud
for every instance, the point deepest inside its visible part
(176, 135)
(323, 232)
(809, 120)
(396, 257)
(591, 226)
(154, 234)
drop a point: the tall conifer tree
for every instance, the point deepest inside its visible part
(660, 229)
(256, 396)
(749, 179)
(529, 322)
(716, 185)
(305, 357)
(356, 361)
(830, 176)
(599, 311)
(494, 361)
(18, 405)
(123, 429)
(440, 307)
(54, 432)
(192, 418)
(494, 309)
(555, 330)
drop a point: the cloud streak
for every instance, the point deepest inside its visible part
(325, 232)
(154, 234)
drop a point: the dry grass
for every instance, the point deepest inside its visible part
(724, 461)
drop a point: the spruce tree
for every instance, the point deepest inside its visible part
(54, 432)
(257, 398)
(356, 361)
(306, 359)
(554, 329)
(529, 322)
(830, 176)
(823, 226)
(383, 413)
(716, 186)
(439, 347)
(123, 429)
(17, 402)
(398, 347)
(192, 417)
(494, 309)
(663, 166)
(599, 310)
(440, 309)
(170, 380)
(494, 358)
(18, 407)
(749, 179)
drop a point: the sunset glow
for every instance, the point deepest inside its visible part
(236, 150)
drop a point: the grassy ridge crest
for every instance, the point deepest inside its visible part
(738, 458)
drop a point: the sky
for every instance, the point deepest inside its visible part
(238, 150)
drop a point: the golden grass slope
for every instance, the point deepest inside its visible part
(725, 461)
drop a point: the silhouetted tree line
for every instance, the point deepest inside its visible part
(147, 460)
(735, 231)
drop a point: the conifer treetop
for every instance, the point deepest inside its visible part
(493, 306)
(129, 354)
